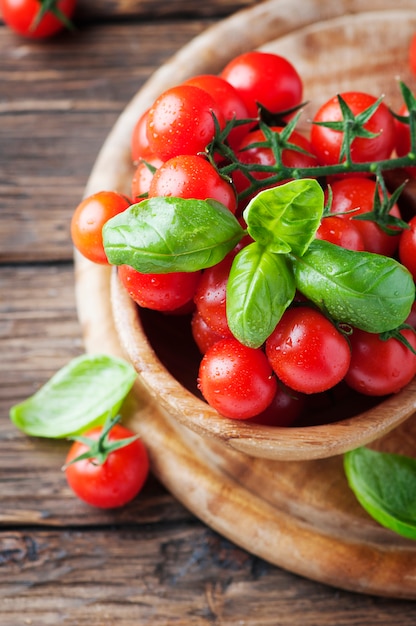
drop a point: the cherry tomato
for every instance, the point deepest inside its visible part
(160, 292)
(236, 380)
(181, 121)
(114, 482)
(326, 142)
(88, 221)
(354, 196)
(21, 16)
(258, 155)
(412, 54)
(228, 99)
(341, 232)
(139, 142)
(210, 295)
(203, 334)
(286, 407)
(307, 352)
(143, 176)
(192, 176)
(265, 78)
(380, 367)
(407, 247)
(403, 138)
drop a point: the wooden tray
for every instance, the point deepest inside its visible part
(299, 516)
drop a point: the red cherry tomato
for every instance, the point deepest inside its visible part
(160, 292)
(112, 483)
(265, 78)
(139, 141)
(307, 352)
(203, 335)
(380, 367)
(326, 142)
(21, 16)
(407, 247)
(192, 176)
(181, 121)
(210, 296)
(403, 138)
(341, 232)
(285, 409)
(228, 99)
(412, 54)
(236, 380)
(354, 196)
(88, 221)
(143, 176)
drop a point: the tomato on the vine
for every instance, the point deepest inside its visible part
(407, 247)
(266, 79)
(341, 232)
(181, 121)
(37, 18)
(236, 380)
(380, 367)
(307, 352)
(88, 221)
(112, 466)
(160, 292)
(192, 176)
(353, 196)
(327, 142)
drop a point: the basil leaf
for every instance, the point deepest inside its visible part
(385, 486)
(79, 395)
(259, 289)
(285, 218)
(372, 292)
(166, 234)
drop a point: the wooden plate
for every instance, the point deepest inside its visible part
(298, 515)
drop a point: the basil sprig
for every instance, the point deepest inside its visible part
(385, 486)
(366, 290)
(81, 394)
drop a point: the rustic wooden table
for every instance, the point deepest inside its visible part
(60, 560)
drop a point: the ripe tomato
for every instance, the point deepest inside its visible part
(21, 16)
(326, 142)
(180, 121)
(160, 292)
(236, 380)
(307, 352)
(354, 196)
(412, 54)
(286, 407)
(258, 155)
(341, 232)
(407, 247)
(115, 481)
(403, 138)
(380, 367)
(192, 176)
(228, 99)
(203, 335)
(210, 295)
(265, 78)
(143, 176)
(139, 141)
(88, 221)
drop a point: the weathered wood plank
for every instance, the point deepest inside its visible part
(161, 575)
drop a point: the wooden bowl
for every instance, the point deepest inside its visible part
(333, 52)
(296, 512)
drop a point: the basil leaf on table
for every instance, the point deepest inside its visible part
(372, 292)
(385, 486)
(81, 394)
(285, 218)
(259, 289)
(166, 234)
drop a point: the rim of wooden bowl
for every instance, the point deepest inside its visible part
(250, 28)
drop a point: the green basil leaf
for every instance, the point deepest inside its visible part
(372, 292)
(259, 289)
(385, 486)
(166, 234)
(81, 394)
(285, 218)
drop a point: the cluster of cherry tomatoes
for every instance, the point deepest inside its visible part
(307, 353)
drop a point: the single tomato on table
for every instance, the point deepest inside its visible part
(108, 466)
(37, 18)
